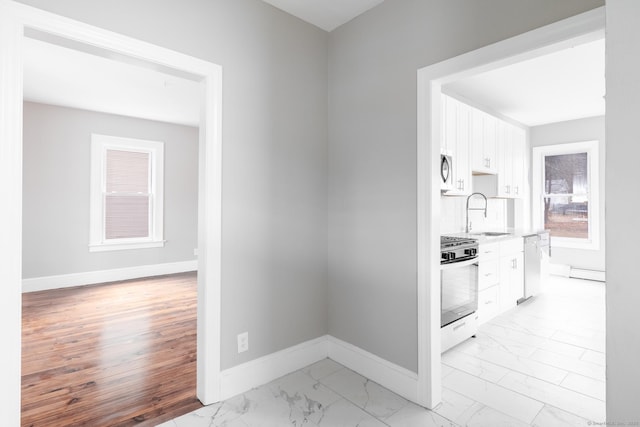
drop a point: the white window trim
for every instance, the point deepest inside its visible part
(99, 145)
(591, 148)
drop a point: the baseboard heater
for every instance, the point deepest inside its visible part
(580, 273)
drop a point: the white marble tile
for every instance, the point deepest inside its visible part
(416, 416)
(373, 398)
(446, 370)
(554, 417)
(216, 415)
(570, 364)
(474, 366)
(530, 325)
(596, 343)
(501, 399)
(499, 331)
(322, 369)
(524, 365)
(585, 385)
(479, 415)
(560, 397)
(484, 340)
(596, 357)
(453, 404)
(345, 414)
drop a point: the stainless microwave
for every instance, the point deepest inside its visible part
(446, 172)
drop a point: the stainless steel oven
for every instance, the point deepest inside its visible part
(458, 278)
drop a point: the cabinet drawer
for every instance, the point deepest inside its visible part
(488, 303)
(511, 246)
(488, 271)
(488, 251)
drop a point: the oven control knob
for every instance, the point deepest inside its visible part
(451, 256)
(471, 251)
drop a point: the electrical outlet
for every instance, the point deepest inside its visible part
(243, 342)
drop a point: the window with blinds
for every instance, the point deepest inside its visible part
(126, 193)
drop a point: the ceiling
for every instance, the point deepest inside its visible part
(62, 76)
(561, 86)
(325, 14)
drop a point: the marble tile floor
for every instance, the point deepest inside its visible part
(539, 364)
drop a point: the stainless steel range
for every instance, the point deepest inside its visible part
(458, 289)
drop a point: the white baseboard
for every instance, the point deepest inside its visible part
(389, 375)
(257, 372)
(581, 273)
(104, 276)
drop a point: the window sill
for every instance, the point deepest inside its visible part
(120, 246)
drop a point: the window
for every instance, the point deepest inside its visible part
(126, 193)
(565, 185)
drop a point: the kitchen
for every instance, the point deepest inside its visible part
(495, 252)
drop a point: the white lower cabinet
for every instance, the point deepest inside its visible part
(500, 277)
(488, 303)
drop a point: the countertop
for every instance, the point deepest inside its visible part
(512, 234)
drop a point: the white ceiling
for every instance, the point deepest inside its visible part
(67, 77)
(326, 14)
(566, 85)
(561, 86)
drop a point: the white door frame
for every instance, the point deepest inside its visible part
(14, 19)
(578, 29)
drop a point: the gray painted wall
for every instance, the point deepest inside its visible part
(575, 131)
(372, 152)
(623, 205)
(274, 134)
(56, 174)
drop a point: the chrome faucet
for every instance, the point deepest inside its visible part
(475, 209)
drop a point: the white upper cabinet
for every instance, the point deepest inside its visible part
(511, 147)
(484, 132)
(455, 136)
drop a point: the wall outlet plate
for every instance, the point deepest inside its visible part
(243, 342)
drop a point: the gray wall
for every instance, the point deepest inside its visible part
(274, 134)
(575, 131)
(623, 205)
(56, 174)
(372, 152)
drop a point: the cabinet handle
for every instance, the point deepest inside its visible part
(517, 190)
(508, 189)
(514, 263)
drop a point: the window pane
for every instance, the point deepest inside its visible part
(126, 216)
(566, 173)
(127, 172)
(567, 216)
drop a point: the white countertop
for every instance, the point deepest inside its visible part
(512, 234)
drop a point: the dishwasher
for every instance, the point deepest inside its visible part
(537, 250)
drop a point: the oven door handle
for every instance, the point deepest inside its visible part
(453, 265)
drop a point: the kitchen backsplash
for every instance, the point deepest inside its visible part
(453, 211)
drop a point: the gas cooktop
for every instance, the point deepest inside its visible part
(451, 241)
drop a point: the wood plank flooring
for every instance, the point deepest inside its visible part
(119, 354)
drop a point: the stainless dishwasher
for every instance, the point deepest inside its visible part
(536, 260)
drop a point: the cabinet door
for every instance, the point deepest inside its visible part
(461, 157)
(455, 142)
(518, 161)
(505, 170)
(511, 280)
(489, 143)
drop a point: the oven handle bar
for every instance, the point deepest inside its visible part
(453, 265)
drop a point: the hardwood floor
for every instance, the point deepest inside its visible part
(120, 354)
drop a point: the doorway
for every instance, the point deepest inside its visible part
(579, 29)
(18, 19)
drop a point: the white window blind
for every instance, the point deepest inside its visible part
(126, 193)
